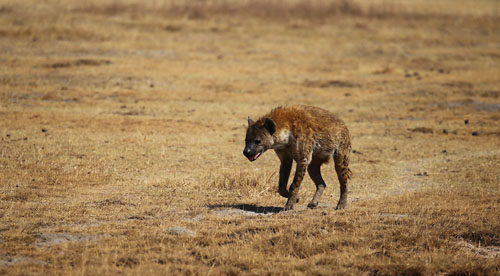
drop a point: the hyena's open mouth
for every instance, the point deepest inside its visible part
(253, 158)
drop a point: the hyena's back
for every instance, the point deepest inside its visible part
(313, 130)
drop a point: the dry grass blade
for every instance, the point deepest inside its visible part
(122, 125)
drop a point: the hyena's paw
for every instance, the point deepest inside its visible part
(312, 205)
(290, 203)
(341, 205)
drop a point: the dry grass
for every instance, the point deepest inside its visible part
(315, 10)
(120, 120)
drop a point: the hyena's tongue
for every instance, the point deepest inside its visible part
(253, 158)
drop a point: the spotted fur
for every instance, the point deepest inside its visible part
(308, 135)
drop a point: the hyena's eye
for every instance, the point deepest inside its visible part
(257, 142)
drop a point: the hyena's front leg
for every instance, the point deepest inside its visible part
(285, 168)
(300, 171)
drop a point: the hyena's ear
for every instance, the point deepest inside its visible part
(250, 121)
(270, 125)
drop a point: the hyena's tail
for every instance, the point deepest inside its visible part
(342, 159)
(343, 174)
(342, 165)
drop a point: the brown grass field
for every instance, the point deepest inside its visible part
(122, 125)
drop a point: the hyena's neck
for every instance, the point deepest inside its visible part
(282, 138)
(283, 135)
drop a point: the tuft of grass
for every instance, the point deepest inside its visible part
(243, 181)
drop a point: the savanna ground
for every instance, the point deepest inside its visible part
(122, 127)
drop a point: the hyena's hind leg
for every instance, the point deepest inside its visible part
(341, 159)
(314, 171)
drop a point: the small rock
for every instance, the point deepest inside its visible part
(445, 131)
(466, 122)
(44, 130)
(197, 218)
(180, 231)
(475, 133)
(444, 151)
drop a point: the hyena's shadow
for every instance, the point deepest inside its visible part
(251, 208)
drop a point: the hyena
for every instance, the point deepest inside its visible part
(309, 135)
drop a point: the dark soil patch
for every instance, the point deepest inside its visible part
(483, 238)
(329, 83)
(79, 62)
(422, 130)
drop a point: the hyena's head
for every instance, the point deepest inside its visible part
(259, 137)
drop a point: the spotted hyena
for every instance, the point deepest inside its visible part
(310, 136)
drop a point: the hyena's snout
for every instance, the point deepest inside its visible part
(247, 152)
(251, 154)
